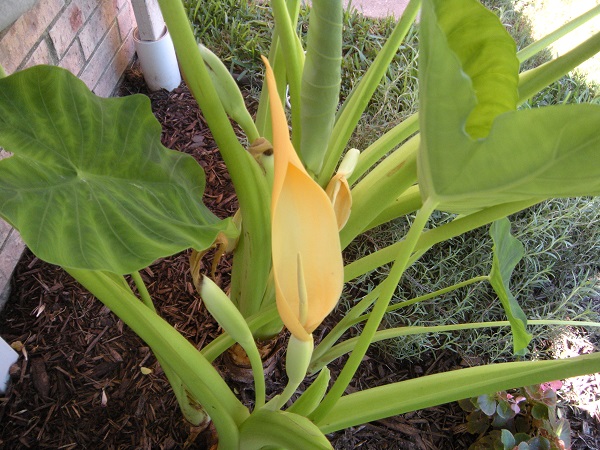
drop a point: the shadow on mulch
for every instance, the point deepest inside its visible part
(81, 384)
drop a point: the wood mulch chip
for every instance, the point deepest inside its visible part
(79, 383)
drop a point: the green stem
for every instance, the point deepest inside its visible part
(313, 395)
(426, 297)
(294, 62)
(536, 47)
(143, 291)
(192, 411)
(251, 271)
(321, 81)
(431, 390)
(197, 374)
(431, 237)
(213, 350)
(276, 59)
(354, 317)
(2, 72)
(342, 326)
(534, 80)
(378, 149)
(406, 203)
(297, 360)
(354, 106)
(388, 287)
(263, 114)
(379, 189)
(347, 346)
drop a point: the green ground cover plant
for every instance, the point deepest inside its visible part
(91, 189)
(523, 419)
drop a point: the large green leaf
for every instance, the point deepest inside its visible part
(532, 153)
(90, 186)
(508, 251)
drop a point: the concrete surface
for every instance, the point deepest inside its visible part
(375, 8)
(378, 8)
(11, 249)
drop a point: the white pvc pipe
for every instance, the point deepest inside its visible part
(158, 61)
(7, 358)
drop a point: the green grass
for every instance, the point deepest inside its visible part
(559, 276)
(238, 32)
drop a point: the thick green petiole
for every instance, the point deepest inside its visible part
(253, 255)
(534, 80)
(404, 396)
(386, 143)
(391, 178)
(321, 80)
(354, 106)
(407, 203)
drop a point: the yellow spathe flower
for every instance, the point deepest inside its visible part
(307, 258)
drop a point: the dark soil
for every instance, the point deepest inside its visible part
(79, 383)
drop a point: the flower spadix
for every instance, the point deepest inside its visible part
(307, 259)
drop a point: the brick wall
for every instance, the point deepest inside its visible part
(91, 38)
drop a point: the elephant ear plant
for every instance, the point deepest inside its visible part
(90, 188)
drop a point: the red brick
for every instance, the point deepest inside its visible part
(122, 3)
(95, 29)
(109, 80)
(102, 57)
(126, 21)
(73, 59)
(66, 28)
(25, 32)
(41, 55)
(87, 6)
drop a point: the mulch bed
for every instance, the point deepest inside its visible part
(81, 384)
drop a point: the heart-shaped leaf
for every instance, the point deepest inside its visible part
(476, 149)
(90, 186)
